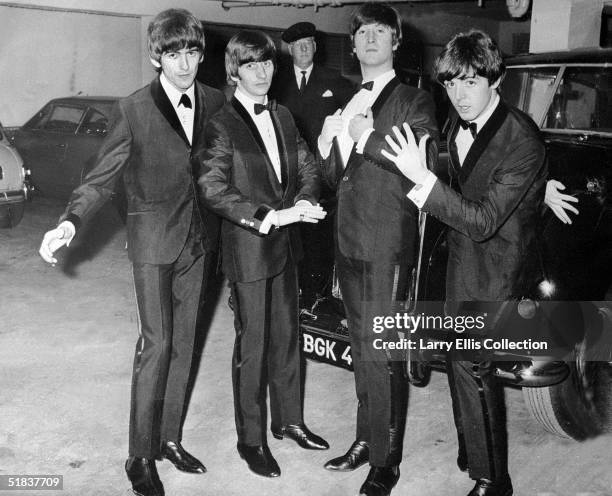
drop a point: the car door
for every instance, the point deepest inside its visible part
(43, 143)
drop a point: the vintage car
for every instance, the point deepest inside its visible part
(14, 187)
(62, 140)
(567, 290)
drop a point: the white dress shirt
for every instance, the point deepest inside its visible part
(185, 115)
(464, 140)
(264, 125)
(298, 74)
(359, 104)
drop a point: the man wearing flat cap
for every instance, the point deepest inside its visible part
(311, 92)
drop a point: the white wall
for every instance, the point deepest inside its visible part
(62, 47)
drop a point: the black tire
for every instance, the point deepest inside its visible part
(11, 214)
(581, 406)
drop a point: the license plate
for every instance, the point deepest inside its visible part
(322, 345)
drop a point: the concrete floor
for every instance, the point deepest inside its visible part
(66, 343)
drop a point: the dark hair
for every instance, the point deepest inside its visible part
(245, 47)
(472, 51)
(173, 30)
(377, 13)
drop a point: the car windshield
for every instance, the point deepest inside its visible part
(563, 98)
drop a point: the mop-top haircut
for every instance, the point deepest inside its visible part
(468, 54)
(172, 30)
(377, 13)
(245, 47)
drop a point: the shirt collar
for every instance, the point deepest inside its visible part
(381, 81)
(247, 102)
(173, 94)
(298, 72)
(482, 119)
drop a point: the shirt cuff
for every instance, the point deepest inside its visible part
(266, 224)
(303, 202)
(420, 192)
(323, 150)
(363, 140)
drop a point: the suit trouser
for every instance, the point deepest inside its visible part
(372, 289)
(479, 408)
(266, 354)
(168, 299)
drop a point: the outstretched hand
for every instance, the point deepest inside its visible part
(409, 158)
(558, 202)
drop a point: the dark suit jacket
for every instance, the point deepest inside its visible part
(494, 215)
(375, 221)
(238, 182)
(310, 109)
(146, 144)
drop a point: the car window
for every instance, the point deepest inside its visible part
(94, 124)
(583, 100)
(59, 118)
(530, 89)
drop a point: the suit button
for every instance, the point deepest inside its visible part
(345, 178)
(251, 224)
(242, 221)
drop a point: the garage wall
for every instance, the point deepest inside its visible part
(48, 53)
(97, 47)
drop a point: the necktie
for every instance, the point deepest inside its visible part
(472, 126)
(303, 82)
(185, 101)
(259, 107)
(368, 86)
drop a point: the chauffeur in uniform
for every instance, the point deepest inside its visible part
(154, 135)
(258, 174)
(498, 162)
(375, 237)
(311, 92)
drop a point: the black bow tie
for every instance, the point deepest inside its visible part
(472, 126)
(185, 101)
(368, 86)
(260, 107)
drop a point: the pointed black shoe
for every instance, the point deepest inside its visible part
(485, 487)
(259, 459)
(143, 475)
(301, 435)
(355, 457)
(380, 481)
(181, 459)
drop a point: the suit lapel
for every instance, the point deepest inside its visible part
(244, 115)
(376, 107)
(162, 102)
(482, 140)
(199, 117)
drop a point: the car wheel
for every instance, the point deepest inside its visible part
(581, 406)
(11, 214)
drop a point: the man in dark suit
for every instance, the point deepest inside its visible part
(154, 135)
(375, 237)
(258, 174)
(311, 92)
(498, 164)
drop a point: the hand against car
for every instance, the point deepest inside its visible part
(360, 123)
(300, 213)
(332, 127)
(409, 158)
(55, 239)
(558, 202)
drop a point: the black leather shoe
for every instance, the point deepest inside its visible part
(462, 461)
(181, 459)
(485, 487)
(355, 457)
(143, 475)
(380, 481)
(301, 435)
(259, 460)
